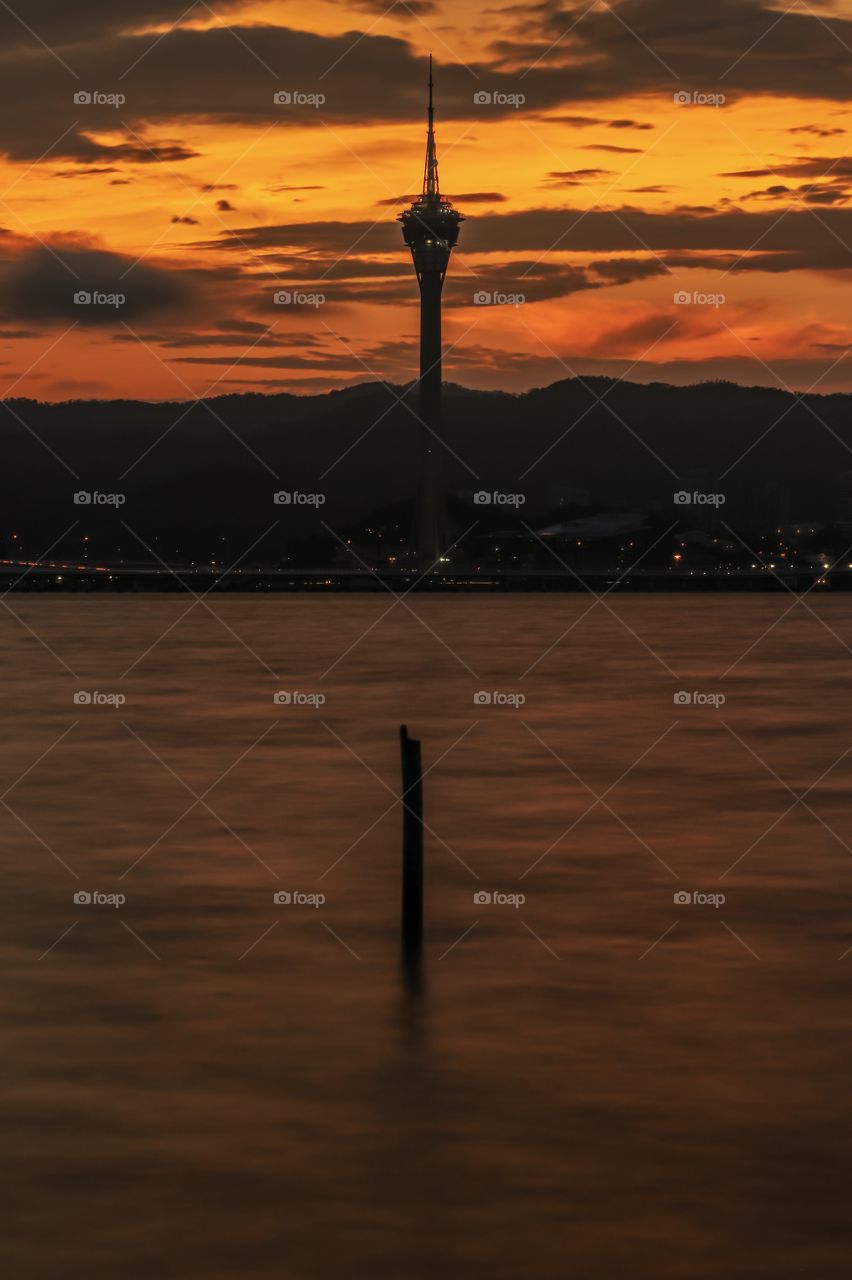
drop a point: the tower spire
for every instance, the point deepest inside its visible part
(431, 186)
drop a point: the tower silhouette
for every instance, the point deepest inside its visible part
(430, 228)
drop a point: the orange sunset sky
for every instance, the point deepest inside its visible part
(666, 184)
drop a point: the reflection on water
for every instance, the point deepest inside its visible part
(597, 1079)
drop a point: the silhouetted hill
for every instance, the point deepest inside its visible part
(199, 478)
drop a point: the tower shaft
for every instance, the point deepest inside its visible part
(432, 523)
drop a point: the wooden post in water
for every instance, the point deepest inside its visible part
(412, 845)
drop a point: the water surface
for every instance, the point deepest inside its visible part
(601, 1081)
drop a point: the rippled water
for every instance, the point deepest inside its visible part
(601, 1081)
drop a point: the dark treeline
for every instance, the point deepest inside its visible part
(198, 481)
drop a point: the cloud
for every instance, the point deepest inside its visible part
(636, 46)
(342, 363)
(587, 122)
(230, 74)
(621, 151)
(799, 238)
(60, 24)
(817, 130)
(43, 282)
(467, 197)
(811, 167)
(728, 238)
(626, 270)
(577, 177)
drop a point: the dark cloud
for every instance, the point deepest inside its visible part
(633, 46)
(411, 8)
(328, 360)
(620, 151)
(577, 177)
(92, 171)
(234, 336)
(61, 24)
(586, 122)
(231, 75)
(186, 220)
(769, 193)
(798, 240)
(652, 330)
(45, 283)
(467, 197)
(626, 270)
(811, 167)
(225, 206)
(817, 130)
(542, 281)
(815, 194)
